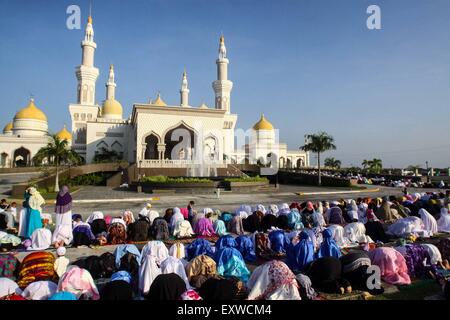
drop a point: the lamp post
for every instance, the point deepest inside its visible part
(428, 173)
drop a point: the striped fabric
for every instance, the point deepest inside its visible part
(37, 266)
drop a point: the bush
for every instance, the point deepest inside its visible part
(92, 179)
(169, 180)
(247, 179)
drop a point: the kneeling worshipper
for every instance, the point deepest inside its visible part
(41, 239)
(174, 265)
(273, 281)
(199, 247)
(63, 296)
(230, 263)
(8, 266)
(98, 224)
(140, 229)
(148, 271)
(220, 228)
(61, 263)
(156, 249)
(354, 270)
(433, 252)
(79, 282)
(326, 276)
(178, 251)
(177, 216)
(160, 229)
(392, 265)
(128, 217)
(269, 221)
(219, 289)
(62, 236)
(305, 288)
(8, 287)
(278, 242)
(334, 214)
(150, 214)
(35, 203)
(299, 255)
(284, 210)
(37, 266)
(117, 231)
(407, 226)
(183, 229)
(166, 287)
(272, 209)
(204, 228)
(374, 228)
(339, 235)
(237, 226)
(82, 233)
(9, 239)
(200, 269)
(444, 221)
(429, 222)
(328, 247)
(40, 290)
(356, 233)
(225, 242)
(118, 289)
(63, 213)
(282, 222)
(262, 246)
(246, 248)
(253, 222)
(295, 220)
(418, 260)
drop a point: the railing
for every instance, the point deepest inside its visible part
(179, 164)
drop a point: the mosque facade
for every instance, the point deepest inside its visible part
(156, 134)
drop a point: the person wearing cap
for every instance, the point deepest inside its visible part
(61, 262)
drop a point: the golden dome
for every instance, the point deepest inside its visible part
(159, 102)
(8, 128)
(31, 112)
(64, 135)
(112, 107)
(263, 124)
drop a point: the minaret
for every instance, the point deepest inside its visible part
(222, 86)
(184, 92)
(86, 73)
(111, 85)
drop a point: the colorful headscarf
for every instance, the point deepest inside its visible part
(328, 248)
(299, 255)
(63, 201)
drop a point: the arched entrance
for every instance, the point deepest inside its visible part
(288, 163)
(179, 143)
(151, 151)
(281, 162)
(300, 163)
(3, 160)
(22, 157)
(210, 149)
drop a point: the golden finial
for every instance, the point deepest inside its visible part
(222, 39)
(90, 20)
(111, 66)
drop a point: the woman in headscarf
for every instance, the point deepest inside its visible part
(178, 251)
(8, 287)
(168, 215)
(385, 213)
(352, 211)
(301, 254)
(262, 246)
(253, 222)
(306, 215)
(97, 223)
(295, 220)
(278, 242)
(284, 210)
(200, 269)
(225, 241)
(406, 226)
(204, 228)
(156, 249)
(118, 289)
(128, 217)
(305, 289)
(37, 266)
(230, 263)
(177, 216)
(219, 228)
(160, 229)
(246, 248)
(63, 212)
(417, 260)
(273, 209)
(443, 223)
(82, 233)
(219, 289)
(392, 265)
(35, 202)
(334, 214)
(374, 228)
(140, 229)
(283, 222)
(166, 287)
(326, 275)
(39, 290)
(200, 215)
(356, 232)
(328, 248)
(237, 225)
(79, 282)
(183, 229)
(273, 281)
(117, 231)
(269, 221)
(227, 217)
(199, 247)
(174, 265)
(8, 266)
(148, 271)
(429, 222)
(41, 239)
(339, 235)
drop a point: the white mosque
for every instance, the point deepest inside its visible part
(155, 134)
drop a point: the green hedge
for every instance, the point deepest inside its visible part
(92, 179)
(168, 180)
(247, 179)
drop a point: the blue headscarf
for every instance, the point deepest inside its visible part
(219, 228)
(230, 263)
(124, 249)
(301, 254)
(63, 295)
(295, 220)
(246, 248)
(328, 248)
(226, 216)
(278, 241)
(199, 247)
(225, 241)
(121, 275)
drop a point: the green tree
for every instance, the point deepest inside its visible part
(365, 164)
(375, 165)
(332, 163)
(319, 143)
(106, 155)
(56, 153)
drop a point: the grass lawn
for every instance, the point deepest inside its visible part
(418, 290)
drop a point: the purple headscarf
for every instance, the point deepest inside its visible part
(204, 228)
(63, 201)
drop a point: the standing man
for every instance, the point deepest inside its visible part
(190, 208)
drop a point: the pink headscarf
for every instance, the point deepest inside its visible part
(79, 282)
(204, 228)
(392, 265)
(185, 213)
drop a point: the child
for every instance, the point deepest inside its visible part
(61, 262)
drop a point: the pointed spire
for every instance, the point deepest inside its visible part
(111, 84)
(111, 74)
(90, 13)
(222, 48)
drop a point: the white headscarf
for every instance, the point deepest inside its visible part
(7, 287)
(36, 200)
(156, 249)
(242, 214)
(177, 216)
(40, 290)
(177, 250)
(41, 239)
(273, 209)
(128, 213)
(284, 209)
(444, 221)
(406, 226)
(148, 271)
(95, 216)
(63, 232)
(183, 229)
(261, 208)
(119, 220)
(434, 253)
(429, 222)
(355, 232)
(207, 210)
(174, 265)
(320, 207)
(338, 234)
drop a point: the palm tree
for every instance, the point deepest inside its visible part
(332, 163)
(375, 165)
(318, 143)
(365, 164)
(106, 155)
(57, 152)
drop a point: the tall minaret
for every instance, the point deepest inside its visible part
(184, 92)
(222, 86)
(111, 85)
(86, 73)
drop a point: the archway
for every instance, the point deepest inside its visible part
(210, 149)
(281, 162)
(300, 163)
(178, 139)
(22, 157)
(288, 163)
(3, 159)
(151, 151)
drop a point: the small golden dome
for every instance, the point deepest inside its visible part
(159, 102)
(112, 107)
(222, 39)
(8, 128)
(90, 20)
(31, 112)
(64, 134)
(263, 124)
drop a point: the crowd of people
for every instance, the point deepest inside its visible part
(281, 252)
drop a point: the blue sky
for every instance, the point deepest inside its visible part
(308, 65)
